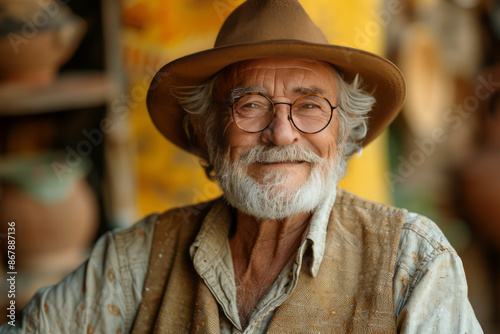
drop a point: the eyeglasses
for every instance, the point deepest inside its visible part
(310, 113)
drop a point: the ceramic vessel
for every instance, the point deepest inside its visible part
(36, 38)
(56, 216)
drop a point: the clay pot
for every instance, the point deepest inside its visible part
(36, 38)
(56, 218)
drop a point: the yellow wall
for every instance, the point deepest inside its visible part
(160, 31)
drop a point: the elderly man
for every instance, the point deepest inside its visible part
(275, 111)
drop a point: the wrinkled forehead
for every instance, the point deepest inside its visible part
(277, 76)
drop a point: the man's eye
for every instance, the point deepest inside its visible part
(254, 106)
(251, 105)
(309, 106)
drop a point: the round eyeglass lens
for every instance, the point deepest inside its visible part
(253, 112)
(311, 113)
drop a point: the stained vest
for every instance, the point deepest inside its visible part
(352, 292)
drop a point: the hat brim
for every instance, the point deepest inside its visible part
(379, 75)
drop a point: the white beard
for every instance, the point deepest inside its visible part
(271, 197)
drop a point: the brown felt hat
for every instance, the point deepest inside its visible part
(270, 29)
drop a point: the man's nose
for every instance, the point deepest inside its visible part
(281, 131)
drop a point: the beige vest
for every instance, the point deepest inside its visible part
(352, 292)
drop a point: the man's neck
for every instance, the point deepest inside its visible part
(260, 250)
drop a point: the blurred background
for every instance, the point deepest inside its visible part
(79, 155)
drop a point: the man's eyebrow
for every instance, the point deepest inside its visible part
(238, 92)
(309, 90)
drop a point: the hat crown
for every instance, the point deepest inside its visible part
(265, 20)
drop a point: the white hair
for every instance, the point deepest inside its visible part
(274, 195)
(354, 104)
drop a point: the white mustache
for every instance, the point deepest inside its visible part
(275, 154)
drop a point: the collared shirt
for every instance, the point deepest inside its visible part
(429, 286)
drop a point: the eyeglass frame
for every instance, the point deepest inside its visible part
(289, 111)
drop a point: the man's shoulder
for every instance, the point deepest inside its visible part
(180, 222)
(419, 234)
(186, 214)
(422, 243)
(189, 215)
(429, 281)
(416, 228)
(351, 201)
(421, 231)
(136, 238)
(140, 235)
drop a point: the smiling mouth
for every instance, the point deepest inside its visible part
(282, 162)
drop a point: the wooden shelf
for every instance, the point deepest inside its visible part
(68, 92)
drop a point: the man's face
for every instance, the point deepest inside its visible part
(280, 171)
(283, 80)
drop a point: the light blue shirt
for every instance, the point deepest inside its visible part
(429, 285)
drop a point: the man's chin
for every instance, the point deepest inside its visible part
(275, 201)
(275, 193)
(290, 186)
(295, 174)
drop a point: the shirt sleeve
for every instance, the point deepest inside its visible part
(430, 288)
(101, 296)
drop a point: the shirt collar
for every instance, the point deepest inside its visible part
(213, 234)
(316, 232)
(211, 256)
(212, 237)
